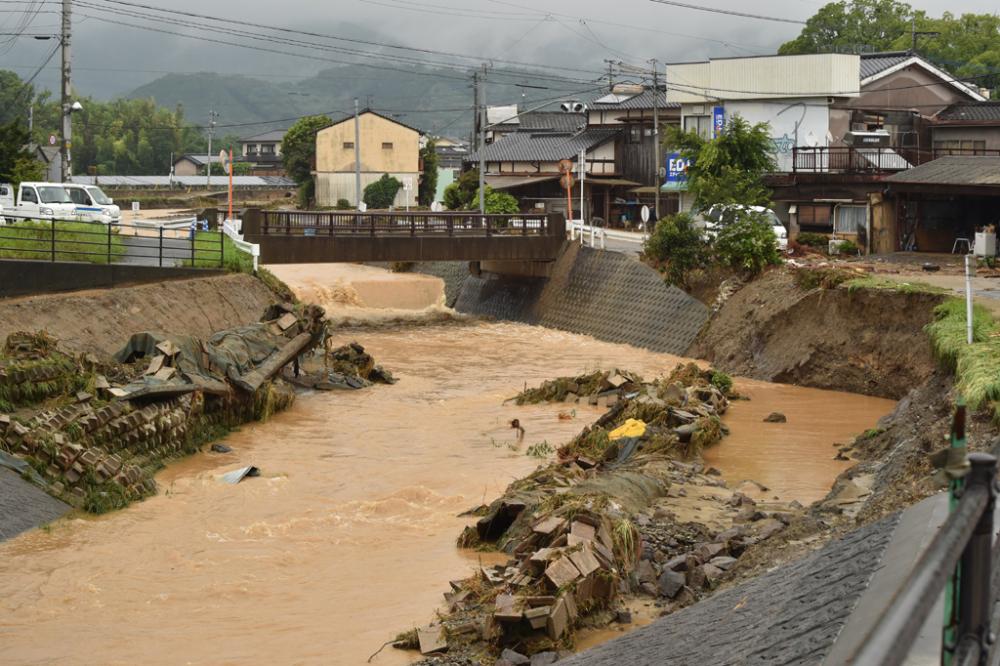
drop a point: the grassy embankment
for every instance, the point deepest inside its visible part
(74, 241)
(976, 366)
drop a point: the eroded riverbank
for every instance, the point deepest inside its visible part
(348, 536)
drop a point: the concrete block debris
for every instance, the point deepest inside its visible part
(95, 430)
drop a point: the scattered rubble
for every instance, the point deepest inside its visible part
(775, 417)
(612, 517)
(348, 367)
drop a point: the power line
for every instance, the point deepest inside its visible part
(728, 12)
(230, 21)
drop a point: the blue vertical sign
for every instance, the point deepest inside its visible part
(677, 176)
(718, 121)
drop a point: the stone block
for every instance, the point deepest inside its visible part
(558, 620)
(503, 609)
(670, 583)
(561, 572)
(432, 639)
(550, 526)
(537, 617)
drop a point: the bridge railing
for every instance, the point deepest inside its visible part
(962, 549)
(323, 223)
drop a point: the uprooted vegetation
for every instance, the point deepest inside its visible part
(579, 531)
(94, 432)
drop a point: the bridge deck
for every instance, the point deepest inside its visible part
(327, 237)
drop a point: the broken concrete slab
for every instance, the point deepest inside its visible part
(585, 561)
(537, 617)
(515, 658)
(558, 620)
(432, 639)
(239, 474)
(562, 572)
(503, 609)
(549, 526)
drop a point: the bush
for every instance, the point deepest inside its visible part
(497, 203)
(382, 193)
(747, 245)
(818, 241)
(453, 199)
(722, 381)
(848, 247)
(344, 204)
(677, 243)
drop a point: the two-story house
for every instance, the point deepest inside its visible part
(263, 153)
(387, 147)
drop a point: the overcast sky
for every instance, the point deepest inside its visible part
(111, 59)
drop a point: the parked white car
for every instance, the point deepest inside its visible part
(37, 201)
(712, 218)
(93, 203)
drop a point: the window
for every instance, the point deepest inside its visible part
(702, 125)
(960, 147)
(251, 148)
(348, 145)
(386, 145)
(850, 219)
(634, 134)
(50, 194)
(28, 195)
(267, 149)
(79, 197)
(814, 216)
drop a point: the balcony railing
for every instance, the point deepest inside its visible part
(846, 159)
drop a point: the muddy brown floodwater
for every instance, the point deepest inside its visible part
(348, 536)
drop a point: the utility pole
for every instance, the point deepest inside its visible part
(357, 154)
(474, 140)
(656, 137)
(67, 92)
(611, 75)
(212, 115)
(484, 118)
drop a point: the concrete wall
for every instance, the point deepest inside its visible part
(25, 278)
(793, 122)
(603, 294)
(186, 168)
(403, 157)
(911, 88)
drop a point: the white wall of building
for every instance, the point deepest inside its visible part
(330, 187)
(794, 122)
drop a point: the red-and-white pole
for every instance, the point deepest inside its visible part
(230, 183)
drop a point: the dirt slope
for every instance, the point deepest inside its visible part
(868, 341)
(101, 321)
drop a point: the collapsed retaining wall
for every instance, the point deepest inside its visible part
(603, 294)
(101, 321)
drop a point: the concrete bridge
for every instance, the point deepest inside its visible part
(293, 237)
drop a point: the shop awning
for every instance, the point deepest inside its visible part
(510, 182)
(612, 182)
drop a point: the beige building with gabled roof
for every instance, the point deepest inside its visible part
(387, 147)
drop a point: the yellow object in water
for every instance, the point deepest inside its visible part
(631, 428)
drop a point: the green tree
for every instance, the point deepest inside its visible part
(16, 161)
(848, 25)
(728, 169)
(496, 203)
(429, 179)
(298, 154)
(459, 195)
(747, 244)
(382, 193)
(679, 246)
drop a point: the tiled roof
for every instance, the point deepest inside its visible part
(543, 147)
(552, 121)
(874, 63)
(953, 170)
(273, 135)
(971, 112)
(643, 100)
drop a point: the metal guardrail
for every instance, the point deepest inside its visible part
(963, 548)
(847, 159)
(60, 239)
(231, 229)
(320, 223)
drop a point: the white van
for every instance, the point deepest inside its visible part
(712, 218)
(92, 203)
(38, 201)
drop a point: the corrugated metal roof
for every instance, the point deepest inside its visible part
(971, 112)
(548, 147)
(873, 63)
(185, 181)
(953, 170)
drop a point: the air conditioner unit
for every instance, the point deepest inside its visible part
(573, 107)
(865, 139)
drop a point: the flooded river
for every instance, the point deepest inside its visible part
(348, 535)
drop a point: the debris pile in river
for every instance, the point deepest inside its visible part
(345, 367)
(95, 442)
(571, 529)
